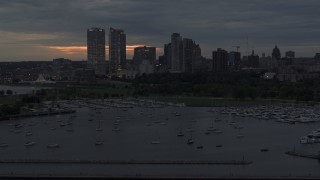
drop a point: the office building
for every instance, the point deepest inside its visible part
(253, 60)
(191, 54)
(288, 59)
(167, 56)
(219, 60)
(317, 57)
(176, 53)
(234, 60)
(290, 54)
(117, 50)
(61, 69)
(196, 57)
(187, 49)
(144, 53)
(96, 50)
(181, 54)
(276, 54)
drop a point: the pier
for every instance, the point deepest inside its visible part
(34, 114)
(302, 154)
(128, 162)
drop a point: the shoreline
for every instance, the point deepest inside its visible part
(37, 114)
(193, 101)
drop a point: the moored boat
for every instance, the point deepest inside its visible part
(29, 143)
(52, 146)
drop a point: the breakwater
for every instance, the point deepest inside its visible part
(34, 114)
(302, 154)
(128, 162)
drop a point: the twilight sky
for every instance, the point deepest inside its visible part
(47, 29)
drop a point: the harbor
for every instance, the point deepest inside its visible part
(279, 112)
(126, 137)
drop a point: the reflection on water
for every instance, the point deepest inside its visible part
(140, 133)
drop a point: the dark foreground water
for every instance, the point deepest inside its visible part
(138, 127)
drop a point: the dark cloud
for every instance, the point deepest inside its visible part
(292, 24)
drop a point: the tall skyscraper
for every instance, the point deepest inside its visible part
(196, 57)
(96, 50)
(253, 60)
(220, 60)
(144, 53)
(117, 50)
(181, 55)
(234, 60)
(276, 54)
(167, 55)
(176, 53)
(191, 54)
(317, 57)
(187, 55)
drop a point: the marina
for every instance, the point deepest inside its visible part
(120, 137)
(283, 113)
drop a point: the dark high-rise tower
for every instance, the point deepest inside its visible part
(167, 55)
(187, 55)
(144, 53)
(276, 53)
(176, 53)
(191, 54)
(117, 50)
(317, 57)
(234, 60)
(253, 60)
(96, 50)
(220, 60)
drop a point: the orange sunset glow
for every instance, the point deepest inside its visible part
(82, 50)
(70, 49)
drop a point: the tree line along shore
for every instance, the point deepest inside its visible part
(202, 89)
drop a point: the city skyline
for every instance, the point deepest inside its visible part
(43, 30)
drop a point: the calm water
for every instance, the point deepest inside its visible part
(138, 130)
